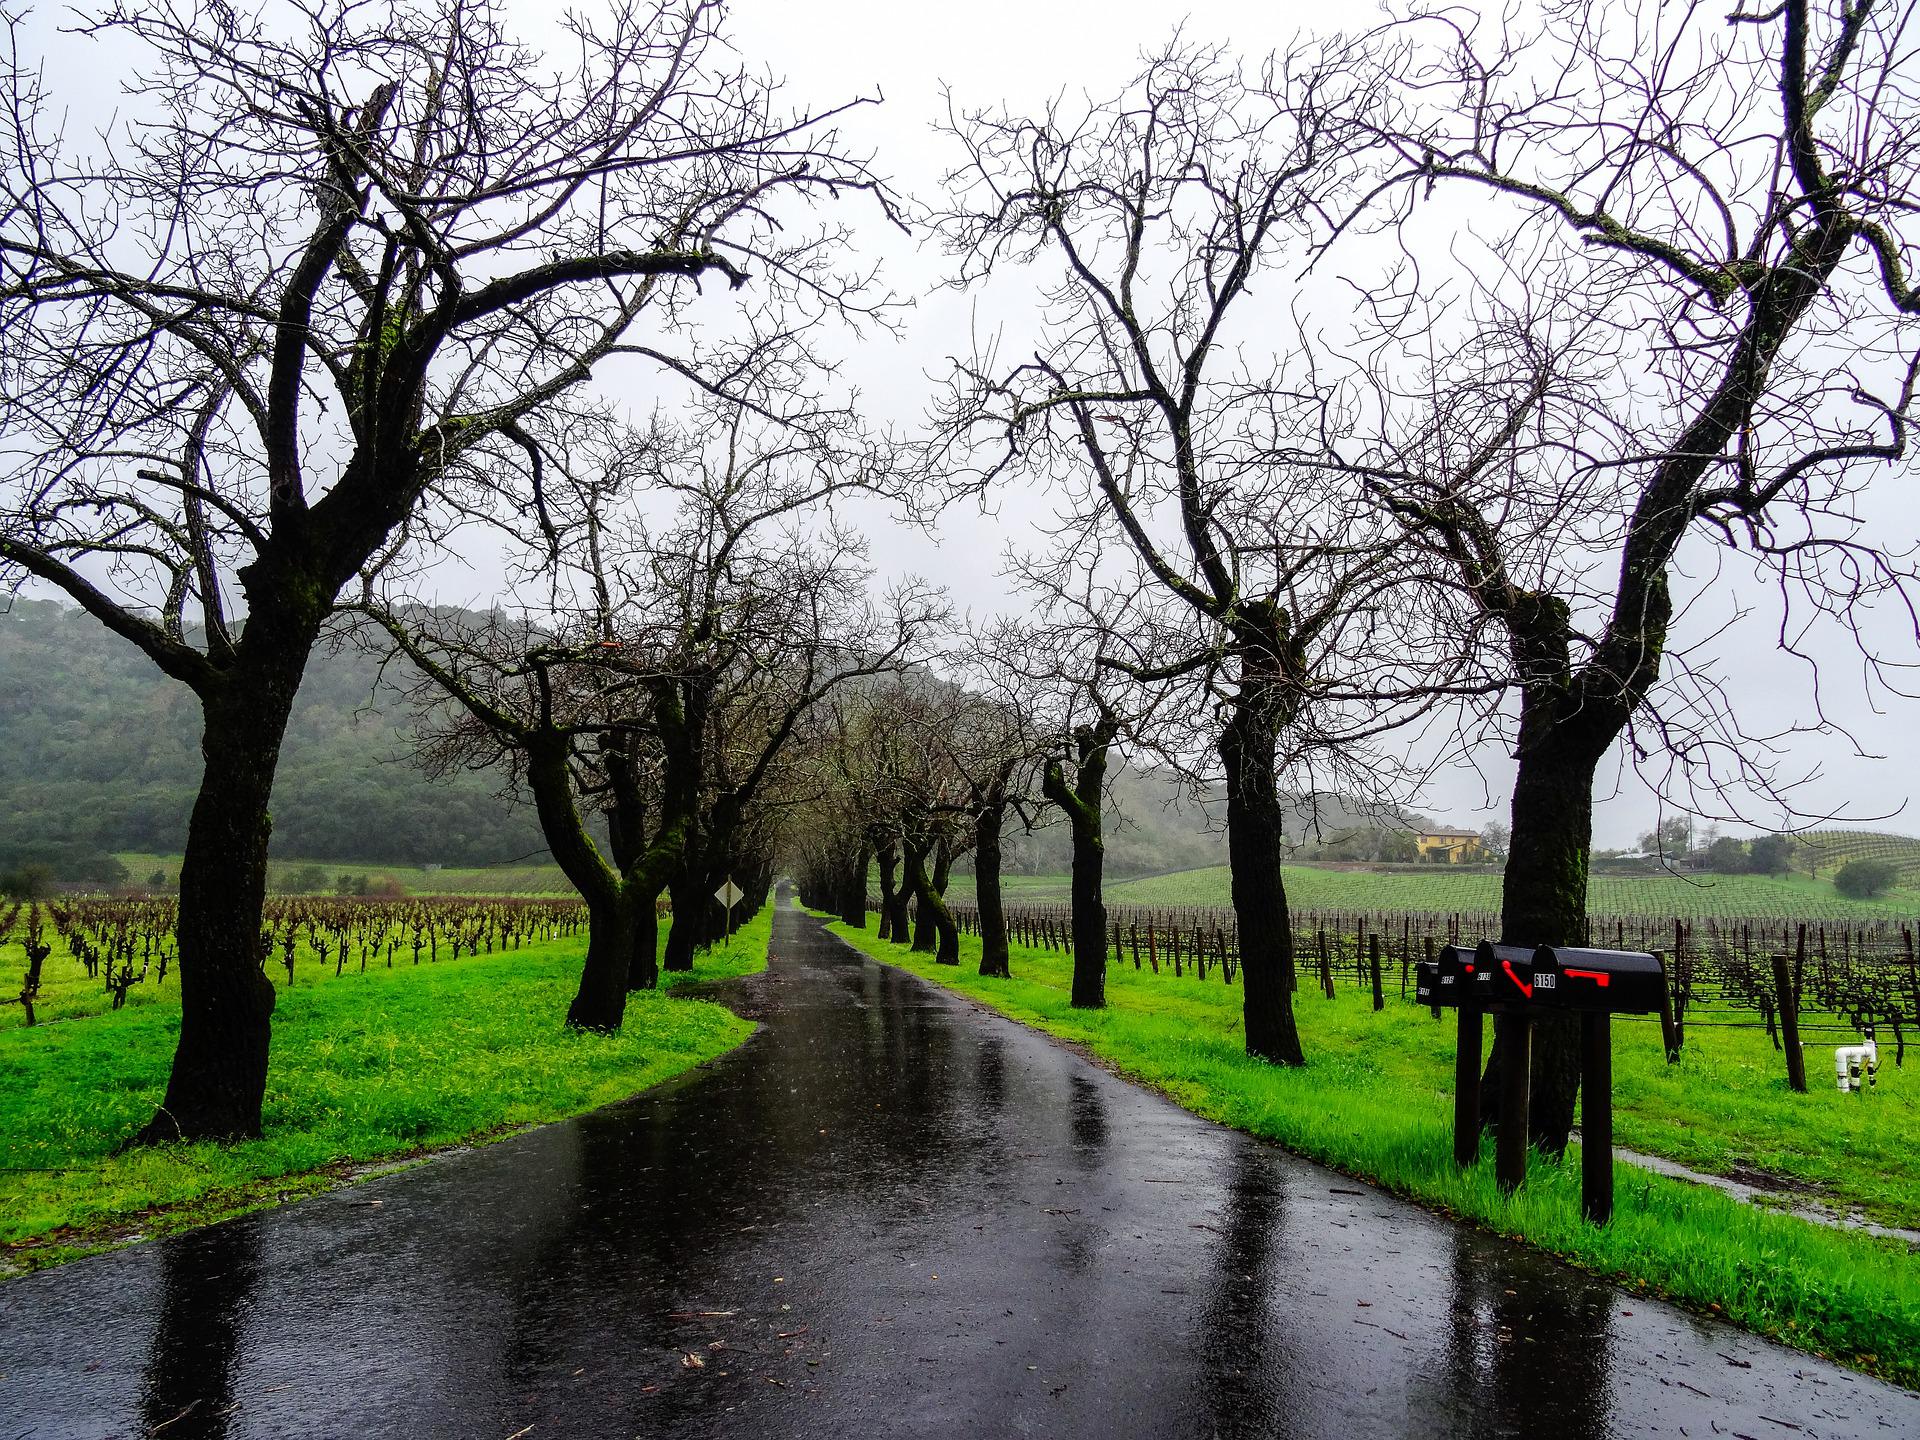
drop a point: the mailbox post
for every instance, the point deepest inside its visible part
(1597, 984)
(1447, 981)
(1503, 977)
(1515, 982)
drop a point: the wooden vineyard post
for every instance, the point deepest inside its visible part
(1513, 1033)
(1669, 1031)
(1789, 1007)
(1326, 965)
(1373, 965)
(1153, 952)
(1596, 1117)
(1427, 944)
(1678, 984)
(1913, 971)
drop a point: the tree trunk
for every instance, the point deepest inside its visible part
(644, 972)
(853, 899)
(219, 1076)
(601, 1001)
(925, 932)
(1261, 914)
(683, 930)
(1080, 802)
(889, 858)
(1089, 923)
(986, 870)
(1544, 902)
(936, 933)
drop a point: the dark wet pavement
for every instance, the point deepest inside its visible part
(887, 1214)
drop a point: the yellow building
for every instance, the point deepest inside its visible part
(1452, 847)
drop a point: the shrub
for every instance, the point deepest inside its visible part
(1864, 879)
(307, 880)
(1770, 855)
(27, 882)
(1726, 856)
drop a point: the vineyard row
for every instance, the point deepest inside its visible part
(1862, 974)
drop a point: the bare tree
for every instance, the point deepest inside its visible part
(537, 702)
(918, 804)
(695, 649)
(337, 251)
(1714, 332)
(996, 747)
(1079, 798)
(1154, 403)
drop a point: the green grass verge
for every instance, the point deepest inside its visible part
(367, 1068)
(1375, 1100)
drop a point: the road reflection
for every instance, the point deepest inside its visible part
(189, 1389)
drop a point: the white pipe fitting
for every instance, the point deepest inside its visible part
(1852, 1063)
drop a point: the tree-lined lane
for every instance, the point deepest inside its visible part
(888, 1213)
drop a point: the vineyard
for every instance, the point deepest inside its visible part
(1839, 977)
(94, 955)
(1433, 889)
(286, 877)
(1825, 851)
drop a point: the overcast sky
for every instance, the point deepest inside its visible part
(989, 51)
(1023, 53)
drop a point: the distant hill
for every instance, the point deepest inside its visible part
(101, 752)
(1821, 852)
(1156, 824)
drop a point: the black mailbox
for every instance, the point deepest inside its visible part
(1503, 975)
(1447, 979)
(1612, 982)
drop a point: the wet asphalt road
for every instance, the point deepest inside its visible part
(887, 1214)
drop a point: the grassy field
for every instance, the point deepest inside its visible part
(1309, 887)
(1375, 1100)
(365, 1068)
(1312, 887)
(524, 879)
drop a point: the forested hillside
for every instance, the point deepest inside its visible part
(101, 753)
(1156, 825)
